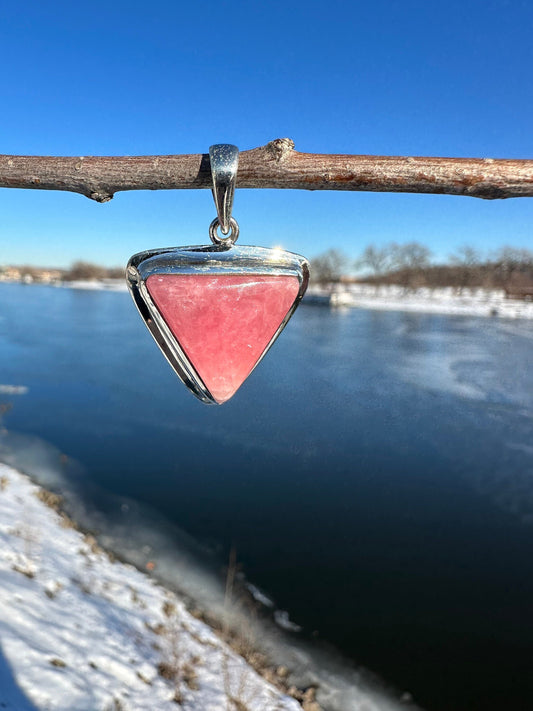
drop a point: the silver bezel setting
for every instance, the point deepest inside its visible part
(210, 259)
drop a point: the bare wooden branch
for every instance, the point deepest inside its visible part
(276, 165)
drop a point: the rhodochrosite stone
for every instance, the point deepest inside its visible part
(222, 322)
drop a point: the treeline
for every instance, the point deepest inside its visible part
(411, 265)
(78, 271)
(83, 271)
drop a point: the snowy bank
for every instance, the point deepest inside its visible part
(95, 284)
(79, 631)
(471, 302)
(142, 538)
(445, 300)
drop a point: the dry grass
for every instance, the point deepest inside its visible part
(175, 666)
(116, 704)
(238, 631)
(56, 662)
(144, 678)
(25, 568)
(53, 501)
(53, 589)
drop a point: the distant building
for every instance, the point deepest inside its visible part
(10, 274)
(47, 276)
(27, 275)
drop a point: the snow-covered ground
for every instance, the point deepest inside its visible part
(96, 284)
(79, 632)
(472, 302)
(445, 300)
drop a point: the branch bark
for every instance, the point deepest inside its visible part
(276, 165)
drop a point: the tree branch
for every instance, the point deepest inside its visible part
(276, 165)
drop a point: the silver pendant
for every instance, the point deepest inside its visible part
(215, 310)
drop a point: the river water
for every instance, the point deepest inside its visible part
(374, 475)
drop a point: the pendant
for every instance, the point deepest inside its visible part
(215, 310)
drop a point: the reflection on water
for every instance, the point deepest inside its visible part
(374, 473)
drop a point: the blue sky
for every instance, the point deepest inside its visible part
(388, 78)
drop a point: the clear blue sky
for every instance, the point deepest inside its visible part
(398, 78)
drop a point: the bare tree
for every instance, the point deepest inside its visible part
(377, 259)
(468, 261)
(327, 268)
(409, 261)
(514, 265)
(85, 270)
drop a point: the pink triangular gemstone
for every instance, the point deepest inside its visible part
(223, 322)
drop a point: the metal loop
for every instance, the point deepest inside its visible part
(224, 159)
(232, 236)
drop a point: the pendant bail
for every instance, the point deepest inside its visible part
(224, 159)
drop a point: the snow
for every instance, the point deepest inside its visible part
(96, 285)
(79, 631)
(444, 300)
(282, 619)
(471, 302)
